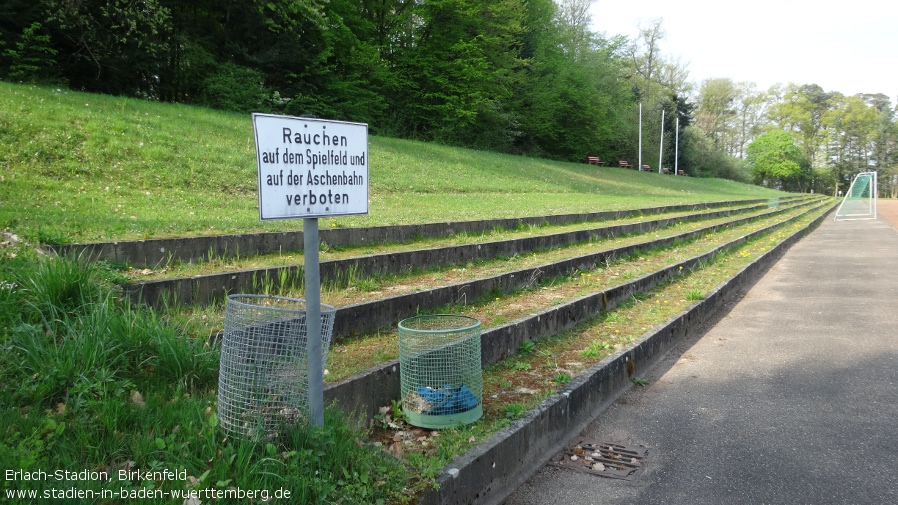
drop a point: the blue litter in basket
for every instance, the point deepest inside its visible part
(449, 400)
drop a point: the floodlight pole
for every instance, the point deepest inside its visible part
(312, 273)
(661, 149)
(677, 148)
(639, 166)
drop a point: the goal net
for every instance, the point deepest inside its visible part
(860, 199)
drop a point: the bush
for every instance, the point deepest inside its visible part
(235, 88)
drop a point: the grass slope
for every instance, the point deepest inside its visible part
(79, 167)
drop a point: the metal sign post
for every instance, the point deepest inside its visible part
(311, 168)
(313, 320)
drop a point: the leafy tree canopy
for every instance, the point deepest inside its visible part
(774, 156)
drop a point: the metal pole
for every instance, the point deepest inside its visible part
(677, 149)
(313, 321)
(871, 187)
(661, 149)
(875, 193)
(639, 166)
(836, 217)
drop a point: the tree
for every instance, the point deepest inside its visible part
(731, 114)
(701, 159)
(645, 56)
(884, 154)
(716, 111)
(387, 21)
(751, 108)
(651, 74)
(329, 65)
(114, 46)
(456, 78)
(888, 182)
(681, 113)
(850, 126)
(673, 75)
(33, 59)
(775, 160)
(570, 100)
(573, 20)
(801, 112)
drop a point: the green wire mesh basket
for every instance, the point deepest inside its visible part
(441, 378)
(263, 384)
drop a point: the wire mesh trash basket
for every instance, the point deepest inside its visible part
(441, 379)
(263, 382)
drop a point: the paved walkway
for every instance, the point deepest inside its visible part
(791, 397)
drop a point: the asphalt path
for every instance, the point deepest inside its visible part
(789, 397)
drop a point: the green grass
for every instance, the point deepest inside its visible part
(79, 167)
(514, 411)
(596, 349)
(694, 295)
(89, 383)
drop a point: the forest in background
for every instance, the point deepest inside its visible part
(526, 77)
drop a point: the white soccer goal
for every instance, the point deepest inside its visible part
(860, 199)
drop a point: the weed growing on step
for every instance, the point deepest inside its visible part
(694, 295)
(514, 411)
(527, 347)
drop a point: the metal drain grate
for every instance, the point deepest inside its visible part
(601, 458)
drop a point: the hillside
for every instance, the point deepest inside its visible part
(81, 167)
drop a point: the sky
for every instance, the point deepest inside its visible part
(846, 46)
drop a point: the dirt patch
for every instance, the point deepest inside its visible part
(888, 209)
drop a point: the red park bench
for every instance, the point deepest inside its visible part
(624, 164)
(594, 160)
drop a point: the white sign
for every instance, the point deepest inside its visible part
(310, 167)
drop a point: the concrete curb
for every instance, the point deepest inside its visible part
(155, 252)
(487, 474)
